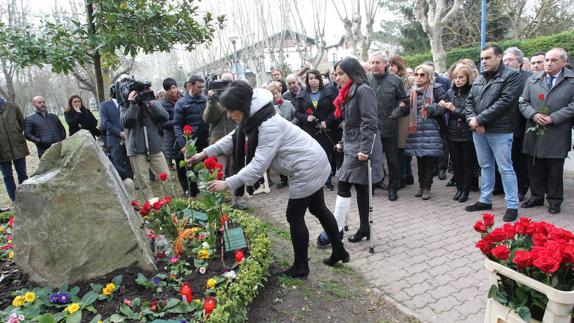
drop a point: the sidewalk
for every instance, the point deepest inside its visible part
(424, 257)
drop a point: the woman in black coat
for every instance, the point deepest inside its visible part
(459, 135)
(314, 111)
(79, 117)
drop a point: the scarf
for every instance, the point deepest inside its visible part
(172, 98)
(243, 151)
(341, 99)
(428, 98)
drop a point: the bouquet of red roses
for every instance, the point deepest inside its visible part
(539, 250)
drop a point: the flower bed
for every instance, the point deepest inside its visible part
(535, 261)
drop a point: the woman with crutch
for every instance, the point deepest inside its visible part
(264, 139)
(357, 103)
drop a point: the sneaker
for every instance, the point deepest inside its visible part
(510, 215)
(323, 241)
(478, 206)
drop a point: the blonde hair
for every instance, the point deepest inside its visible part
(465, 70)
(429, 71)
(274, 87)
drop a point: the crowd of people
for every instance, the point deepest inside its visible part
(509, 124)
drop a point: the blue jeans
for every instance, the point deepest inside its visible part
(491, 148)
(20, 165)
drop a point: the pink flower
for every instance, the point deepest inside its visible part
(127, 302)
(174, 260)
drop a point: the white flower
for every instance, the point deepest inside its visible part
(205, 245)
(202, 270)
(230, 274)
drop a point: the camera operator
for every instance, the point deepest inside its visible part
(142, 121)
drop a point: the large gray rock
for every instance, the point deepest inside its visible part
(74, 220)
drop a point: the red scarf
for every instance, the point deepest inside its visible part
(342, 99)
(279, 102)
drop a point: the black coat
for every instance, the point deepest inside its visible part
(458, 129)
(44, 130)
(390, 93)
(81, 120)
(169, 145)
(492, 98)
(189, 111)
(110, 121)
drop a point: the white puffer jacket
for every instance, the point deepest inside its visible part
(283, 147)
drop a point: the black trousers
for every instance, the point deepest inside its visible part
(520, 165)
(296, 209)
(546, 175)
(463, 158)
(182, 176)
(426, 165)
(344, 190)
(391, 150)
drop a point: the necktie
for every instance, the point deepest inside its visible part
(550, 81)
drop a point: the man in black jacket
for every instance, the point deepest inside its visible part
(43, 128)
(489, 111)
(391, 105)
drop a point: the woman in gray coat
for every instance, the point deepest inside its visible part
(357, 103)
(273, 142)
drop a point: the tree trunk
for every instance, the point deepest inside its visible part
(8, 72)
(437, 49)
(97, 59)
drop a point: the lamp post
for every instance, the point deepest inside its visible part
(237, 70)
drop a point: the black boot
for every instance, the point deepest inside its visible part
(463, 197)
(359, 236)
(338, 254)
(298, 270)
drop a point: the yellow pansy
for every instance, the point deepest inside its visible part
(111, 286)
(1, 229)
(211, 283)
(18, 301)
(203, 254)
(72, 308)
(11, 255)
(29, 297)
(106, 291)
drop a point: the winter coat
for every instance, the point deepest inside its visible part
(133, 119)
(169, 145)
(13, 143)
(81, 120)
(110, 121)
(403, 122)
(324, 112)
(189, 111)
(557, 140)
(283, 147)
(286, 110)
(44, 130)
(491, 99)
(390, 93)
(427, 140)
(359, 131)
(519, 121)
(458, 129)
(292, 97)
(216, 116)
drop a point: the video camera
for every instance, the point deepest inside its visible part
(126, 85)
(216, 85)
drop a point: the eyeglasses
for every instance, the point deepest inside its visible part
(419, 74)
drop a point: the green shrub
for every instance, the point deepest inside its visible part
(528, 47)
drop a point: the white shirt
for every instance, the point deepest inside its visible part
(556, 76)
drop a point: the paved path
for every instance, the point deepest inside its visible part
(425, 257)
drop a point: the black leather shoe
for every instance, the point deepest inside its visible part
(478, 206)
(336, 257)
(441, 174)
(452, 182)
(532, 203)
(393, 196)
(463, 197)
(300, 271)
(457, 195)
(510, 215)
(359, 236)
(554, 209)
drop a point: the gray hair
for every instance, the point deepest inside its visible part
(516, 52)
(382, 55)
(563, 53)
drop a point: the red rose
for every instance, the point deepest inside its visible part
(11, 222)
(210, 163)
(501, 252)
(218, 166)
(135, 203)
(509, 230)
(523, 226)
(220, 175)
(484, 246)
(538, 239)
(541, 96)
(239, 256)
(209, 304)
(479, 226)
(522, 259)
(187, 130)
(309, 111)
(567, 254)
(167, 199)
(163, 177)
(144, 212)
(497, 235)
(157, 205)
(546, 264)
(488, 219)
(147, 206)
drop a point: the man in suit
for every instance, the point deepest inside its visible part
(115, 136)
(43, 128)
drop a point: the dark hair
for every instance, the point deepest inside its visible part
(401, 66)
(353, 68)
(237, 96)
(317, 75)
(69, 107)
(194, 79)
(538, 54)
(168, 83)
(495, 48)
